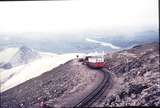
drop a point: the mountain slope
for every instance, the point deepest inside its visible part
(7, 53)
(60, 86)
(24, 56)
(12, 57)
(137, 77)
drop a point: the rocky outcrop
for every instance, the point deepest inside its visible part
(139, 69)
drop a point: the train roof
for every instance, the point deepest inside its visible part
(94, 59)
(100, 56)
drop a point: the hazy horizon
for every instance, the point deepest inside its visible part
(78, 25)
(78, 16)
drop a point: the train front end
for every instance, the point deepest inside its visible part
(95, 61)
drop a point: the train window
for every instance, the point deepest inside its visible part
(100, 59)
(95, 59)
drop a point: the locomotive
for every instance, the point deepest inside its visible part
(95, 61)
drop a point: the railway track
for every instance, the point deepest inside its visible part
(93, 96)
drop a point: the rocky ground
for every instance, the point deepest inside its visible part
(55, 88)
(136, 76)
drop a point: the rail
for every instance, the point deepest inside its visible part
(95, 94)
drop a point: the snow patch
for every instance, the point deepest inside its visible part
(7, 54)
(103, 43)
(22, 73)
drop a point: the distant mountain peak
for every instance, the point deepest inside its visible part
(24, 49)
(24, 56)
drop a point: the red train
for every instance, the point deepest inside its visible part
(95, 61)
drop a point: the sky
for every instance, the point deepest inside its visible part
(77, 15)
